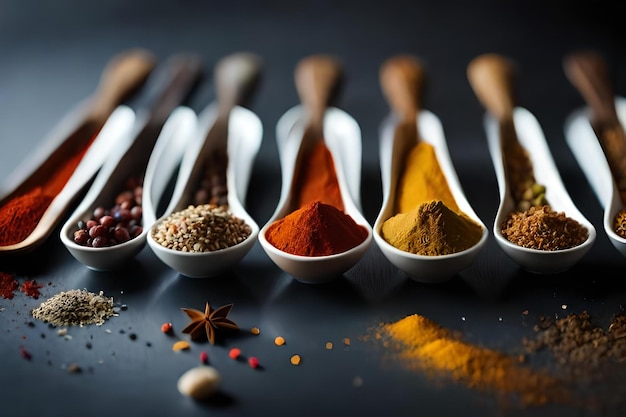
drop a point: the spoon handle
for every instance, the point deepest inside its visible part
(493, 79)
(121, 78)
(236, 77)
(589, 73)
(401, 79)
(317, 79)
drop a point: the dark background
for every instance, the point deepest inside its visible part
(51, 57)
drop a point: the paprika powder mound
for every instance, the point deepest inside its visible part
(316, 180)
(317, 229)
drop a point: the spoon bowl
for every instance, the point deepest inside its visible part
(582, 141)
(164, 160)
(244, 140)
(343, 138)
(532, 139)
(423, 268)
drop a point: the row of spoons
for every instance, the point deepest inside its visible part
(186, 139)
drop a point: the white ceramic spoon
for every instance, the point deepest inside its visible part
(401, 79)
(342, 136)
(123, 76)
(164, 160)
(492, 78)
(589, 73)
(220, 124)
(147, 139)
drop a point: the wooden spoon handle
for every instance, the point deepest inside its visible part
(401, 79)
(589, 73)
(123, 76)
(493, 78)
(236, 76)
(317, 80)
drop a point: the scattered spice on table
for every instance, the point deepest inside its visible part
(31, 288)
(295, 360)
(234, 353)
(423, 345)
(255, 331)
(8, 285)
(204, 357)
(20, 215)
(279, 340)
(584, 350)
(204, 228)
(166, 327)
(544, 229)
(76, 307)
(253, 361)
(117, 224)
(317, 229)
(180, 345)
(206, 324)
(427, 219)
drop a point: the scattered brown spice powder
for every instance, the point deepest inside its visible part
(544, 229)
(8, 285)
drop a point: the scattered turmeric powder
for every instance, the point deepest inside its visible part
(424, 345)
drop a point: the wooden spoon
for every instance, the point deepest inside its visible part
(402, 79)
(493, 79)
(589, 73)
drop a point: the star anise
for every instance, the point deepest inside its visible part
(207, 323)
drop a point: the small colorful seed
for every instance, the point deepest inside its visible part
(255, 330)
(279, 340)
(180, 345)
(166, 327)
(204, 357)
(329, 345)
(253, 362)
(295, 360)
(234, 353)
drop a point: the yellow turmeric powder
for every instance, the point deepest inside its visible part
(423, 345)
(428, 220)
(431, 229)
(423, 180)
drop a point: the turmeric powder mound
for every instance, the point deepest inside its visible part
(431, 229)
(424, 345)
(423, 180)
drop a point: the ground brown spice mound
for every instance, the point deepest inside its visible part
(75, 307)
(544, 229)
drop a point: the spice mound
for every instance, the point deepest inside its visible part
(422, 345)
(544, 229)
(203, 228)
(115, 225)
(317, 229)
(75, 307)
(431, 229)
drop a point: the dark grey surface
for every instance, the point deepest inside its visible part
(51, 56)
